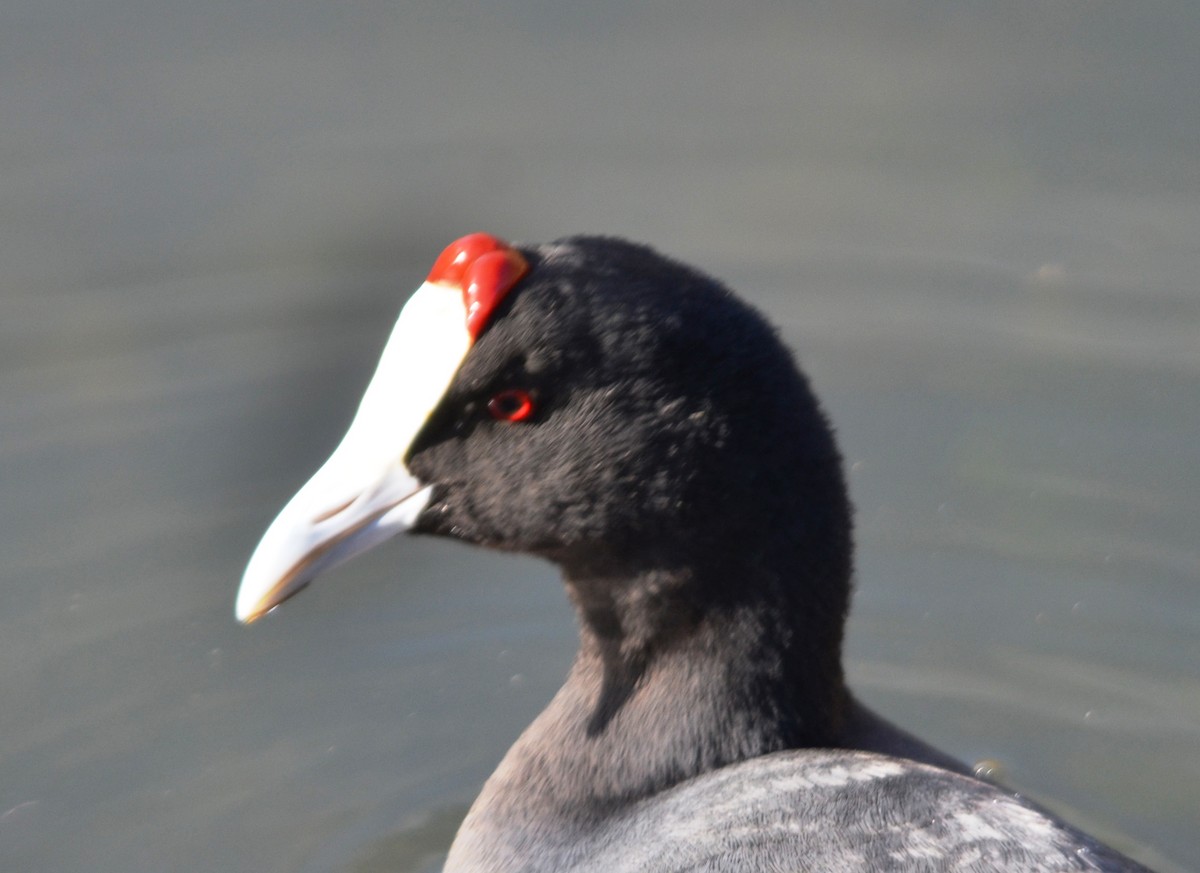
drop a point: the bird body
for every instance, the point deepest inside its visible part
(811, 809)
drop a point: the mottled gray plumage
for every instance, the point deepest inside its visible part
(818, 810)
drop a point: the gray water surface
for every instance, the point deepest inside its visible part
(978, 228)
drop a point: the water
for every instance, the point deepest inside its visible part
(978, 230)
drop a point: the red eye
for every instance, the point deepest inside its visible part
(511, 405)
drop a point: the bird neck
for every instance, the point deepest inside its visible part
(694, 669)
(677, 674)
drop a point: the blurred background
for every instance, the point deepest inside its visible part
(977, 225)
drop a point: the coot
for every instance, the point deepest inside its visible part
(628, 418)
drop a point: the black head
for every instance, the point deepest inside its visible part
(669, 423)
(605, 407)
